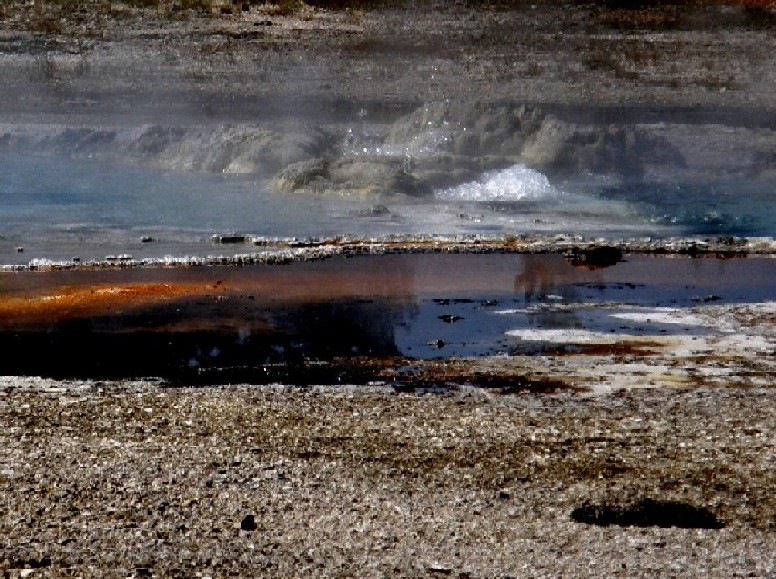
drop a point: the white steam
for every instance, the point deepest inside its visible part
(516, 183)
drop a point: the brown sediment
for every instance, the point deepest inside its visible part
(65, 302)
(411, 375)
(620, 349)
(392, 275)
(44, 297)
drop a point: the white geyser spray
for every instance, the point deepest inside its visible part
(516, 183)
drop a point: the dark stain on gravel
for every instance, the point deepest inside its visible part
(647, 513)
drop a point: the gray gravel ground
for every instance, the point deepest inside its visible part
(132, 479)
(710, 63)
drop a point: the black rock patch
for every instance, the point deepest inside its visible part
(647, 513)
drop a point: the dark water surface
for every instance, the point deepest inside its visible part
(178, 323)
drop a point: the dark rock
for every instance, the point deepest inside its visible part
(31, 563)
(595, 257)
(707, 299)
(450, 318)
(248, 523)
(230, 238)
(647, 513)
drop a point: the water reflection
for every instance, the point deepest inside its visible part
(236, 322)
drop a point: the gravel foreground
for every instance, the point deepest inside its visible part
(134, 479)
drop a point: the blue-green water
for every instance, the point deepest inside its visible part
(59, 208)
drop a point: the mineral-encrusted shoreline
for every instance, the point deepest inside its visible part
(283, 250)
(133, 479)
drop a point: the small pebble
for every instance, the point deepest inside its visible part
(248, 523)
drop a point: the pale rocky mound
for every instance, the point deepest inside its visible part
(230, 148)
(442, 145)
(437, 146)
